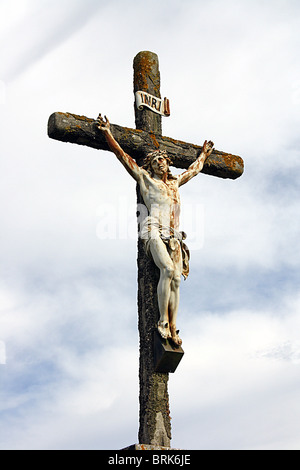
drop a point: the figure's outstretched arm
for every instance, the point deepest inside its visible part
(197, 166)
(127, 161)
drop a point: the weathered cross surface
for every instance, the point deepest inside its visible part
(157, 357)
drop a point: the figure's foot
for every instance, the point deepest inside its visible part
(164, 330)
(174, 336)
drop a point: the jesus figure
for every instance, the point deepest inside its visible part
(160, 229)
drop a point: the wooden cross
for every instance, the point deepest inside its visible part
(157, 357)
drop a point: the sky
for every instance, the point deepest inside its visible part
(68, 278)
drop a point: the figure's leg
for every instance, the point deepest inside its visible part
(174, 294)
(163, 261)
(173, 308)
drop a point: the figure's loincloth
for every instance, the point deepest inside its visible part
(151, 229)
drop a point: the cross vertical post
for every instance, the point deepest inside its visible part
(155, 425)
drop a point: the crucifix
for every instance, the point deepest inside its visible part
(162, 253)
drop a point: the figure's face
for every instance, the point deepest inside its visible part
(159, 165)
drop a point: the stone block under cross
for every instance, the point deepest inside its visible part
(162, 254)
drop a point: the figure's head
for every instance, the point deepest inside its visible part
(158, 162)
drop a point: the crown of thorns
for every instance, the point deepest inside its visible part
(149, 157)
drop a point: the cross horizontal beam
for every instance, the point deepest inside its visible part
(67, 127)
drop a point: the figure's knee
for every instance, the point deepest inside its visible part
(168, 271)
(176, 279)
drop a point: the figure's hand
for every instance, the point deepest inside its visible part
(208, 147)
(103, 125)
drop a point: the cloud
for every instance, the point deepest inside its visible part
(76, 398)
(241, 371)
(44, 28)
(64, 364)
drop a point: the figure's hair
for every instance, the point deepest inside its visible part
(149, 157)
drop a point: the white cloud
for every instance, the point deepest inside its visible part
(239, 371)
(44, 28)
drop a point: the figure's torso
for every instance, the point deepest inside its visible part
(162, 199)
